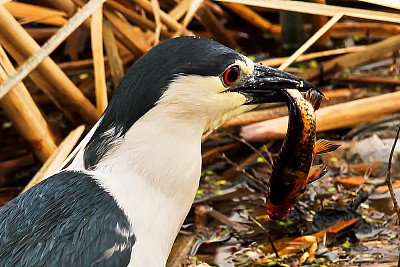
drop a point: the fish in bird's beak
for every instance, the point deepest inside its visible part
(264, 85)
(291, 169)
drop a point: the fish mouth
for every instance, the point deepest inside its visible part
(267, 85)
(276, 213)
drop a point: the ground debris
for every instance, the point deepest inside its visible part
(346, 218)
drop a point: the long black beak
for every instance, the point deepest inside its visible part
(265, 85)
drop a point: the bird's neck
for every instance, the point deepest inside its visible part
(153, 173)
(158, 148)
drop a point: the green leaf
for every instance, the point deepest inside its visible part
(6, 124)
(218, 192)
(302, 67)
(83, 76)
(284, 223)
(207, 173)
(260, 160)
(313, 63)
(252, 58)
(199, 192)
(346, 244)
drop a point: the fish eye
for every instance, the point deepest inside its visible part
(231, 75)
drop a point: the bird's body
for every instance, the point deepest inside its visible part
(47, 228)
(133, 182)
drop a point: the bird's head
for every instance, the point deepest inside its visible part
(201, 80)
(196, 81)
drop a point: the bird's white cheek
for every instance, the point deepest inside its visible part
(226, 106)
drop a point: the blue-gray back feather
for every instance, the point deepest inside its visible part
(66, 220)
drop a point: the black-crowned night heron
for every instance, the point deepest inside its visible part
(123, 199)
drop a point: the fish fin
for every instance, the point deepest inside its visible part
(324, 146)
(314, 97)
(316, 173)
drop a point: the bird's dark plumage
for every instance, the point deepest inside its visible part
(67, 219)
(148, 78)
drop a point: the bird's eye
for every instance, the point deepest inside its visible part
(231, 75)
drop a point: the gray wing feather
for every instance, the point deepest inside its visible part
(66, 220)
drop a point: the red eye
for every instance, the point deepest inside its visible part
(231, 75)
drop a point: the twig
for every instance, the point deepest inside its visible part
(206, 135)
(19, 106)
(130, 37)
(309, 56)
(212, 24)
(225, 219)
(358, 130)
(387, 3)
(267, 234)
(249, 15)
(80, 146)
(180, 9)
(311, 41)
(388, 176)
(50, 45)
(193, 7)
(243, 171)
(138, 19)
(157, 19)
(181, 249)
(115, 63)
(47, 76)
(242, 140)
(165, 18)
(265, 148)
(31, 13)
(320, 9)
(96, 34)
(371, 80)
(62, 151)
(370, 53)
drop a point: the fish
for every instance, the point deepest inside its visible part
(291, 168)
